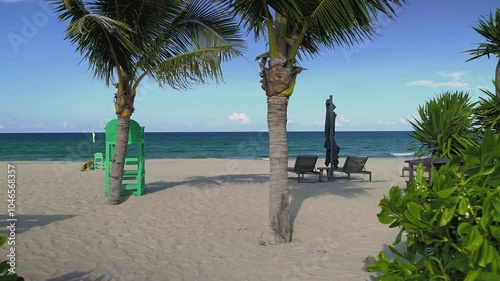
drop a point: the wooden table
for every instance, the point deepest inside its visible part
(427, 162)
(321, 169)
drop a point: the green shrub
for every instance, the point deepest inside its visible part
(4, 265)
(487, 112)
(445, 126)
(452, 224)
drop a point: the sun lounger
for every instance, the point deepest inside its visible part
(355, 165)
(304, 164)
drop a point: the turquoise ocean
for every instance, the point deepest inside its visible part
(235, 145)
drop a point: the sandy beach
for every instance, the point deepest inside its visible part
(199, 220)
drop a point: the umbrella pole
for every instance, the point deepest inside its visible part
(332, 135)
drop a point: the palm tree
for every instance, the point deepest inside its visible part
(445, 128)
(296, 29)
(490, 30)
(174, 42)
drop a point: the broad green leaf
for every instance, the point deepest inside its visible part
(495, 230)
(398, 237)
(391, 277)
(395, 193)
(408, 270)
(414, 209)
(445, 193)
(464, 228)
(485, 221)
(385, 217)
(496, 206)
(447, 215)
(3, 239)
(4, 267)
(462, 206)
(489, 276)
(474, 240)
(473, 275)
(395, 251)
(486, 254)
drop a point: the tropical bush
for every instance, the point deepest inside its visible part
(445, 128)
(5, 274)
(487, 112)
(452, 223)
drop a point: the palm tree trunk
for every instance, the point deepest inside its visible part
(279, 214)
(497, 79)
(118, 164)
(124, 106)
(497, 90)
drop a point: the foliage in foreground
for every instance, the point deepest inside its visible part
(445, 125)
(487, 112)
(452, 225)
(4, 265)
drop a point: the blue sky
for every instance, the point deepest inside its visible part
(376, 85)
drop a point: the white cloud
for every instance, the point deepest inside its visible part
(434, 84)
(9, 1)
(340, 121)
(454, 83)
(289, 122)
(242, 118)
(215, 125)
(455, 76)
(67, 125)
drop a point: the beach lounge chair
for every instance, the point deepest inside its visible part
(355, 165)
(304, 164)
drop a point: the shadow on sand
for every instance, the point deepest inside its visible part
(302, 191)
(79, 276)
(26, 222)
(208, 181)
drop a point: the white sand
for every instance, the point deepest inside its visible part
(200, 220)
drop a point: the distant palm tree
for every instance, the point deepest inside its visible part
(294, 30)
(445, 125)
(174, 42)
(490, 30)
(488, 110)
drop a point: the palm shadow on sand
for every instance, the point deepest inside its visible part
(304, 190)
(80, 276)
(26, 222)
(208, 181)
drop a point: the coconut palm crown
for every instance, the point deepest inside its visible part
(489, 28)
(174, 42)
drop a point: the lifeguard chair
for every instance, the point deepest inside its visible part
(134, 173)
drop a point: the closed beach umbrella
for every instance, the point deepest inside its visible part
(332, 149)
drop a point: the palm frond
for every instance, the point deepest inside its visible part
(102, 40)
(136, 37)
(487, 113)
(489, 28)
(328, 23)
(193, 67)
(198, 29)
